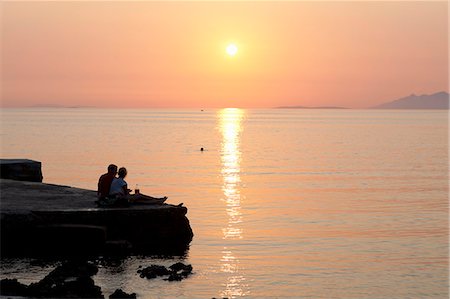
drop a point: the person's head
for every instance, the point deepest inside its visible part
(122, 172)
(112, 168)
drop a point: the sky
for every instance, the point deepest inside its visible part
(173, 54)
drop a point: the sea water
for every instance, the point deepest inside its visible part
(283, 203)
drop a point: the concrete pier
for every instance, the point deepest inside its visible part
(46, 219)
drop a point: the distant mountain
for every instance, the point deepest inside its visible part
(439, 100)
(305, 107)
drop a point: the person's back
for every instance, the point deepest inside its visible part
(118, 192)
(118, 187)
(105, 180)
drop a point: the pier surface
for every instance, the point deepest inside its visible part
(38, 218)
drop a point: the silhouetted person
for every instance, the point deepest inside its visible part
(105, 180)
(119, 186)
(119, 190)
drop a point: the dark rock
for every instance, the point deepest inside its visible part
(119, 294)
(180, 271)
(186, 273)
(70, 280)
(21, 170)
(73, 269)
(81, 287)
(176, 272)
(11, 287)
(153, 271)
(181, 267)
(175, 277)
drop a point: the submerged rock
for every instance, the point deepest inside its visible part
(119, 294)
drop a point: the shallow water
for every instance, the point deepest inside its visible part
(283, 203)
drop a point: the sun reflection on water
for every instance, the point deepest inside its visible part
(230, 125)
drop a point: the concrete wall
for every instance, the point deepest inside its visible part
(21, 170)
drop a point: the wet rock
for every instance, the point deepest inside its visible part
(119, 294)
(180, 270)
(73, 268)
(181, 267)
(11, 287)
(175, 277)
(153, 271)
(176, 272)
(80, 287)
(70, 280)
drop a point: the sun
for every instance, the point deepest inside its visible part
(232, 49)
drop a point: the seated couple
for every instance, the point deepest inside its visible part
(114, 190)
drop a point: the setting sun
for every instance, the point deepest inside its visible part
(232, 49)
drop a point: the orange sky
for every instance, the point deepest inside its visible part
(172, 54)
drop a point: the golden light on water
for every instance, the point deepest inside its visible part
(231, 127)
(230, 123)
(235, 285)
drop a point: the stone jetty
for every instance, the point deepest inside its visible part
(46, 219)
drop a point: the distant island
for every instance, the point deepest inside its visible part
(58, 106)
(439, 100)
(306, 107)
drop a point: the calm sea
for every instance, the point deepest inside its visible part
(283, 203)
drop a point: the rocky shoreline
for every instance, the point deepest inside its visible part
(73, 279)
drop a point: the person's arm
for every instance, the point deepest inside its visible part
(98, 186)
(125, 189)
